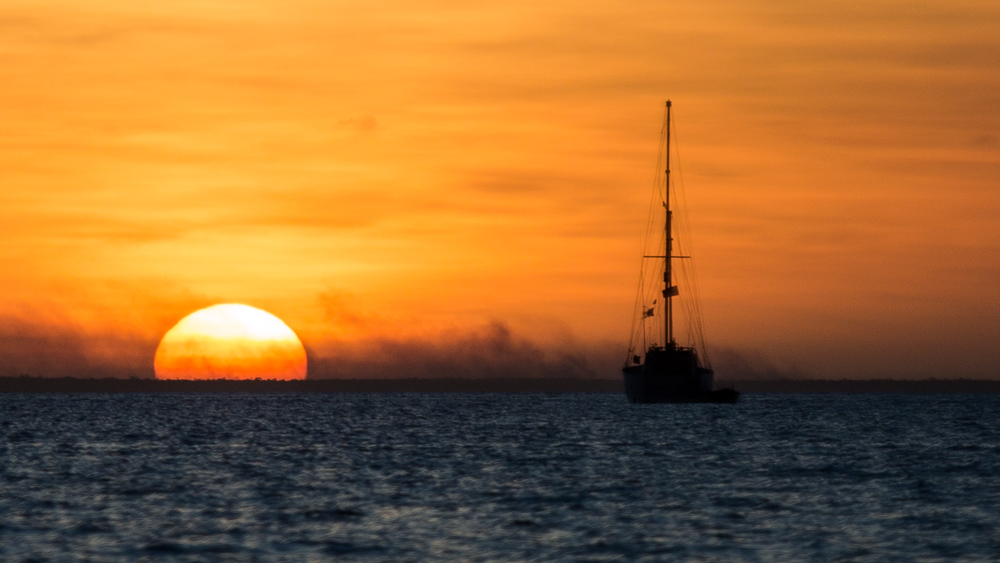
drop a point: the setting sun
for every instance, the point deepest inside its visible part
(230, 342)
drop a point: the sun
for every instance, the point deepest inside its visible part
(230, 341)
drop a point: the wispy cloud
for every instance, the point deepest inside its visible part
(491, 161)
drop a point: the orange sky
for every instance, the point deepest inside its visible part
(437, 172)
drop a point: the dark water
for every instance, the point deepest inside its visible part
(498, 477)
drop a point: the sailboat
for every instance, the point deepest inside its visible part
(668, 373)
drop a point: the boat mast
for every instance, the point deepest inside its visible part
(668, 289)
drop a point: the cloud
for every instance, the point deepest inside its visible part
(492, 351)
(733, 364)
(40, 350)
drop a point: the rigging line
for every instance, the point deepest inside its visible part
(638, 312)
(641, 293)
(690, 301)
(683, 237)
(690, 270)
(690, 313)
(647, 233)
(657, 191)
(638, 328)
(638, 322)
(682, 242)
(681, 192)
(651, 277)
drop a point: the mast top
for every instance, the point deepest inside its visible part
(668, 103)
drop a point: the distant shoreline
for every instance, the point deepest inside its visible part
(443, 385)
(865, 386)
(456, 385)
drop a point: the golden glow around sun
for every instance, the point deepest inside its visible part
(230, 342)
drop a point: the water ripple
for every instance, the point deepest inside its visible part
(414, 477)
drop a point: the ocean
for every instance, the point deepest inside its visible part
(498, 477)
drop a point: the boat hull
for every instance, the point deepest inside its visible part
(645, 387)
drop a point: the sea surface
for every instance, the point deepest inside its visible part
(498, 477)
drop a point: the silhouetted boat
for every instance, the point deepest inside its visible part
(668, 373)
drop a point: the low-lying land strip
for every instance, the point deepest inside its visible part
(459, 385)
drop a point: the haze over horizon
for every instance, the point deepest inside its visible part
(463, 188)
